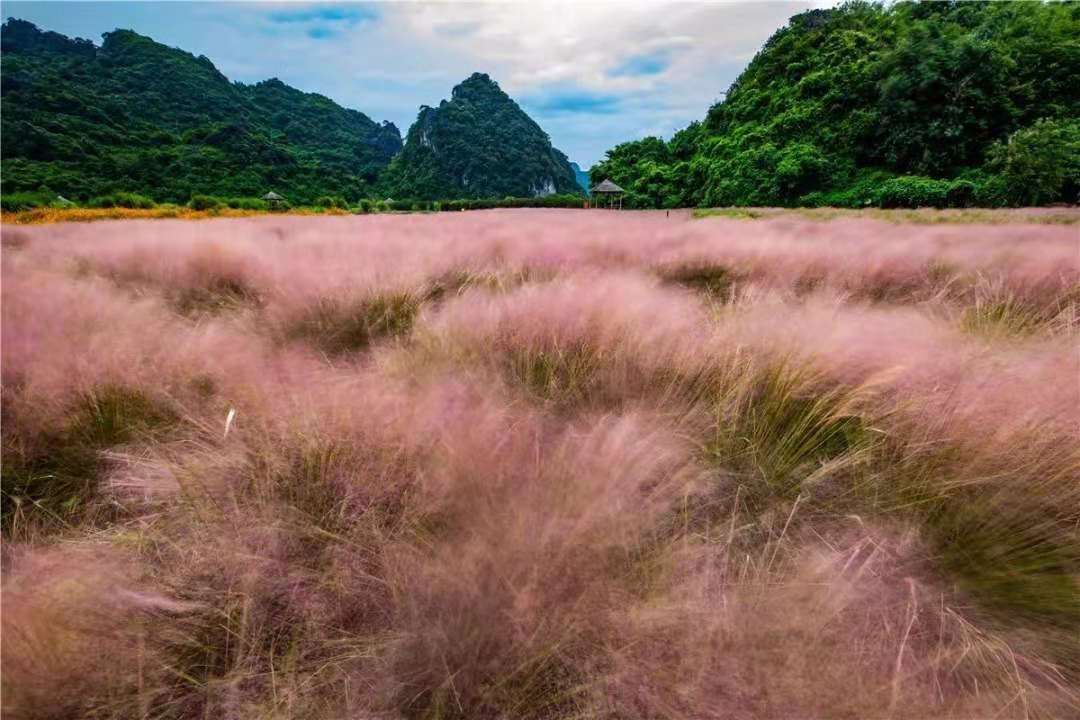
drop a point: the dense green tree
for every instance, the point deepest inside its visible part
(881, 104)
(1040, 163)
(943, 99)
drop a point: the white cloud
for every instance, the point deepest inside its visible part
(696, 51)
(541, 43)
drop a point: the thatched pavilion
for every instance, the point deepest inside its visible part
(273, 200)
(608, 195)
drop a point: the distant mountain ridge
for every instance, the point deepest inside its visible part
(479, 143)
(133, 115)
(136, 115)
(581, 176)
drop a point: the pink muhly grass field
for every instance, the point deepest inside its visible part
(541, 464)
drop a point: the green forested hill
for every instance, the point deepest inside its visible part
(478, 144)
(909, 104)
(135, 115)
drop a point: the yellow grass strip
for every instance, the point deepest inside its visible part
(44, 216)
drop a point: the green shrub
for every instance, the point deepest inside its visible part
(327, 201)
(131, 200)
(993, 193)
(863, 191)
(914, 191)
(549, 201)
(204, 202)
(1041, 163)
(245, 203)
(122, 200)
(882, 189)
(15, 202)
(961, 194)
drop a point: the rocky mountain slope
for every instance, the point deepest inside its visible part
(479, 143)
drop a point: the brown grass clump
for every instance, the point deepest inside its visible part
(540, 464)
(339, 326)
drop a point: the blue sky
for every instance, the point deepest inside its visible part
(592, 74)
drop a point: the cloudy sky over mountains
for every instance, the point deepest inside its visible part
(592, 74)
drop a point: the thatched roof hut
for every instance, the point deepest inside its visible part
(609, 190)
(607, 187)
(273, 199)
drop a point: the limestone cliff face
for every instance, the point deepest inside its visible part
(581, 176)
(479, 143)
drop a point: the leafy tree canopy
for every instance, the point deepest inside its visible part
(909, 103)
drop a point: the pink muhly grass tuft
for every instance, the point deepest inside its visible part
(79, 634)
(857, 625)
(533, 533)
